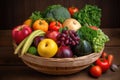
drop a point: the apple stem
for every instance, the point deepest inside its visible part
(46, 45)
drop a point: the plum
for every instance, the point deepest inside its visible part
(37, 39)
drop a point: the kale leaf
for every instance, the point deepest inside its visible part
(89, 16)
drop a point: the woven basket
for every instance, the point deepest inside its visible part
(59, 66)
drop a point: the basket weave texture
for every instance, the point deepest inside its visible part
(59, 66)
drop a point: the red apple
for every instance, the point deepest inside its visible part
(20, 32)
(52, 35)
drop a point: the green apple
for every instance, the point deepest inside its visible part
(47, 48)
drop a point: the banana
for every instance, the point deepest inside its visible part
(30, 40)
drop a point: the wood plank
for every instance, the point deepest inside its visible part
(25, 73)
(114, 35)
(5, 38)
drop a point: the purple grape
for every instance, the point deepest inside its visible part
(67, 41)
(68, 37)
(62, 38)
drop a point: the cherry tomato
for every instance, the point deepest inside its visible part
(96, 71)
(55, 26)
(72, 10)
(103, 63)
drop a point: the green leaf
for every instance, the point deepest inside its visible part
(90, 15)
(36, 15)
(62, 29)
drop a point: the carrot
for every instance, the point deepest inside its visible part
(110, 58)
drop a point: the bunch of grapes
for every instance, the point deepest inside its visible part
(68, 37)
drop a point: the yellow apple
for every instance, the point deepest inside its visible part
(47, 48)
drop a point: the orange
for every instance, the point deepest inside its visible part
(28, 22)
(40, 24)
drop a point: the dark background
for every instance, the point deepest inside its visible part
(15, 12)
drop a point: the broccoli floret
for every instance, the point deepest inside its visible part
(56, 12)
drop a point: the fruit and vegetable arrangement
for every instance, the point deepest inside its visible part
(60, 32)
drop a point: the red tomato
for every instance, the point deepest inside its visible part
(72, 10)
(20, 32)
(96, 71)
(103, 63)
(55, 26)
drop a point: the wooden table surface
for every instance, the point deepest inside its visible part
(12, 67)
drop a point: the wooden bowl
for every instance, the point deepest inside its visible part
(59, 66)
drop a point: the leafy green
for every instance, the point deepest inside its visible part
(36, 15)
(62, 29)
(56, 12)
(95, 37)
(89, 16)
(87, 33)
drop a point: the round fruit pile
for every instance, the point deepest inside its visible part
(61, 32)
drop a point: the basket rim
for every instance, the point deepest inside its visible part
(62, 59)
(58, 59)
(61, 62)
